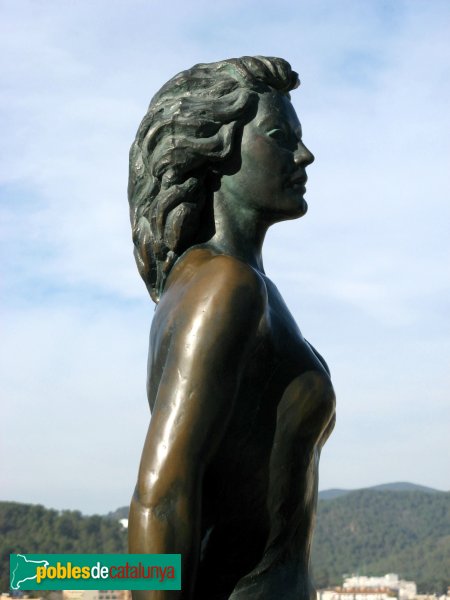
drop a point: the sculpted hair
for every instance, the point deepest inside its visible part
(190, 130)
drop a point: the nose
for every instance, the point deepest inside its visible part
(302, 155)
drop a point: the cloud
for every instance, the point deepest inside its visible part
(364, 272)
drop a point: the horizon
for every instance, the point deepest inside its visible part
(105, 512)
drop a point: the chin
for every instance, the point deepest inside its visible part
(302, 209)
(294, 208)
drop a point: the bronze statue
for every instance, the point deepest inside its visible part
(241, 403)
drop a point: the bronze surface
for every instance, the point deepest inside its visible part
(241, 404)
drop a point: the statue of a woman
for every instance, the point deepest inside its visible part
(241, 404)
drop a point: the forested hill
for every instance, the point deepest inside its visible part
(369, 532)
(398, 486)
(30, 528)
(376, 532)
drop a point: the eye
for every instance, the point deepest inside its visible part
(283, 138)
(279, 135)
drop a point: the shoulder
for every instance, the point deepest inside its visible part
(218, 284)
(229, 273)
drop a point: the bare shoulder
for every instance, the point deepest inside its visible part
(221, 285)
(231, 274)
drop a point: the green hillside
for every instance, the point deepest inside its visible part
(120, 513)
(28, 528)
(370, 532)
(376, 532)
(398, 486)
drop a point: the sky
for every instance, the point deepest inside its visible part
(365, 272)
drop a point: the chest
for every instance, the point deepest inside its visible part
(286, 348)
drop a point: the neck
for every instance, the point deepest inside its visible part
(239, 233)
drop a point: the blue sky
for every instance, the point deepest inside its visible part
(365, 273)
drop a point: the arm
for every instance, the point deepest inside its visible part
(217, 313)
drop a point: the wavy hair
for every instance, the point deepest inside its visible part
(191, 128)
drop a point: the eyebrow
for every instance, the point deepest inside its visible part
(270, 120)
(275, 123)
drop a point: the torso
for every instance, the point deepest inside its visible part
(279, 355)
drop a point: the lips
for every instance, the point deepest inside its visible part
(297, 182)
(298, 179)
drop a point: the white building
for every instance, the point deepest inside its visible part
(404, 590)
(356, 594)
(360, 587)
(96, 595)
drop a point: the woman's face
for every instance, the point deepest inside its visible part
(272, 177)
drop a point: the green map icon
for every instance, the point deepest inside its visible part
(23, 569)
